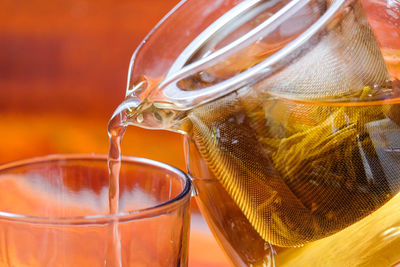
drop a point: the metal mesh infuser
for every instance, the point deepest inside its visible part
(295, 151)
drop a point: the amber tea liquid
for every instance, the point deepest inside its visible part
(285, 182)
(116, 132)
(315, 184)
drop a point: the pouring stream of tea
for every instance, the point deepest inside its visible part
(116, 132)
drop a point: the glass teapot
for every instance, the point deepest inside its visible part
(292, 120)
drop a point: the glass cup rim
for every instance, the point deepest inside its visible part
(136, 214)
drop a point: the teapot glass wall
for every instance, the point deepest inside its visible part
(291, 114)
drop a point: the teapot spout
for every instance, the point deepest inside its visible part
(149, 115)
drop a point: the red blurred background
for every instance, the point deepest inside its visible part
(63, 71)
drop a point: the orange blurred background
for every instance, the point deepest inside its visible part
(63, 71)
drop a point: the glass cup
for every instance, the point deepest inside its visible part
(54, 212)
